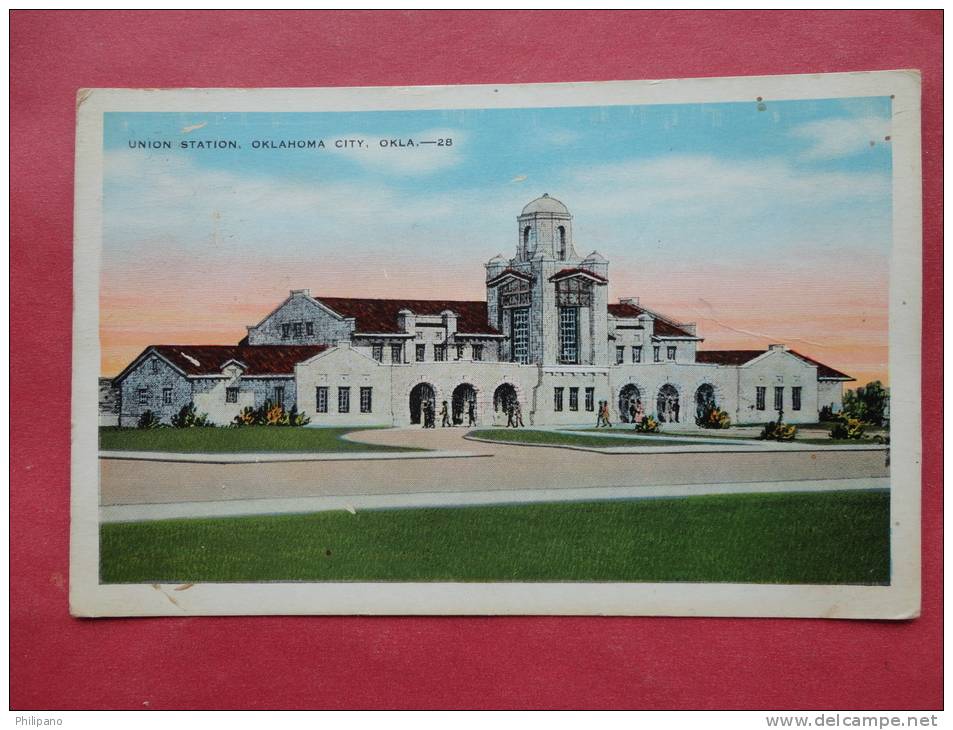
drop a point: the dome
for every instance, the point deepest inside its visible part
(498, 259)
(595, 256)
(545, 204)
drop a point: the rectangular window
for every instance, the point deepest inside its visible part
(778, 397)
(285, 331)
(143, 396)
(439, 353)
(671, 352)
(519, 332)
(365, 400)
(568, 335)
(344, 400)
(574, 399)
(796, 398)
(167, 396)
(459, 352)
(309, 328)
(558, 399)
(421, 352)
(759, 397)
(377, 352)
(478, 353)
(321, 398)
(636, 353)
(657, 352)
(298, 330)
(280, 396)
(590, 399)
(397, 353)
(155, 365)
(231, 395)
(619, 354)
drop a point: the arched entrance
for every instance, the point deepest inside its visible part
(419, 394)
(504, 396)
(704, 400)
(463, 395)
(667, 405)
(627, 397)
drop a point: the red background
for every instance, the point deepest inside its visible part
(525, 662)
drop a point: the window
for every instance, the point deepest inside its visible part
(421, 352)
(155, 365)
(377, 352)
(568, 334)
(344, 400)
(574, 399)
(143, 396)
(478, 352)
(439, 353)
(167, 396)
(759, 397)
(366, 400)
(657, 352)
(619, 354)
(298, 330)
(778, 397)
(321, 398)
(590, 399)
(514, 293)
(671, 352)
(231, 395)
(574, 292)
(636, 353)
(562, 242)
(796, 398)
(558, 399)
(280, 396)
(309, 328)
(285, 331)
(519, 332)
(459, 352)
(397, 353)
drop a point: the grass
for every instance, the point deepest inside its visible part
(819, 538)
(234, 440)
(720, 434)
(558, 438)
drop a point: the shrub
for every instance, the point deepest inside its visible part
(247, 417)
(714, 418)
(778, 431)
(648, 424)
(148, 419)
(847, 428)
(827, 414)
(270, 414)
(188, 418)
(868, 403)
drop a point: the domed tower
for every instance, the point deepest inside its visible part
(545, 231)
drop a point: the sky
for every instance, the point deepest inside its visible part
(762, 223)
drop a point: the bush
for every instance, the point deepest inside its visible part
(778, 431)
(827, 414)
(148, 419)
(187, 418)
(270, 414)
(648, 424)
(868, 403)
(714, 418)
(847, 428)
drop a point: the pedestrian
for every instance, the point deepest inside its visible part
(509, 414)
(605, 414)
(444, 415)
(639, 411)
(632, 412)
(517, 415)
(599, 415)
(471, 412)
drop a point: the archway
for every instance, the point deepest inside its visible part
(704, 400)
(667, 405)
(627, 397)
(463, 395)
(503, 396)
(419, 394)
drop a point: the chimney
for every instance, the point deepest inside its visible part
(782, 348)
(301, 292)
(406, 321)
(633, 301)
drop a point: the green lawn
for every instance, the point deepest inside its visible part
(558, 438)
(244, 439)
(821, 537)
(722, 434)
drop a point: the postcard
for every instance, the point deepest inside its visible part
(624, 348)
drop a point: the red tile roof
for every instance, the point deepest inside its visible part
(506, 273)
(740, 357)
(258, 359)
(662, 327)
(380, 315)
(568, 273)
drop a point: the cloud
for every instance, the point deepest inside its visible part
(519, 179)
(842, 137)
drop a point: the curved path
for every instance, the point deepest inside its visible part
(511, 467)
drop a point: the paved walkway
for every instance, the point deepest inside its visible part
(514, 467)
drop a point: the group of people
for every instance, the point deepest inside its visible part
(514, 414)
(634, 412)
(668, 409)
(602, 415)
(429, 414)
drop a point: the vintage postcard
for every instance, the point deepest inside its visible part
(645, 348)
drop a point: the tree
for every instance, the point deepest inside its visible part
(867, 403)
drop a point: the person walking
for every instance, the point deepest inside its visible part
(599, 415)
(517, 415)
(471, 413)
(605, 414)
(444, 415)
(509, 414)
(639, 412)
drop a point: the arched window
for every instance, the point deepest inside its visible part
(562, 242)
(526, 237)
